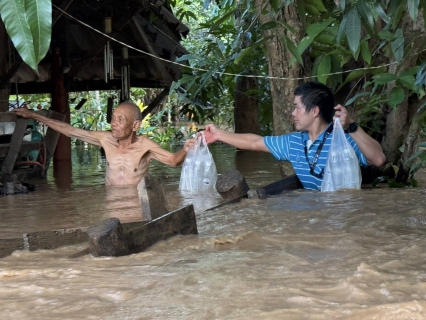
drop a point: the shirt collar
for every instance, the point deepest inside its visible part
(305, 135)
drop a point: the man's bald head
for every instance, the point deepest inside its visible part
(133, 109)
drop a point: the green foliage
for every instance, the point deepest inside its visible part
(28, 23)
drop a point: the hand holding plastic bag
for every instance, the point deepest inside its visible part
(198, 170)
(342, 169)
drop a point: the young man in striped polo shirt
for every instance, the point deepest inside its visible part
(313, 117)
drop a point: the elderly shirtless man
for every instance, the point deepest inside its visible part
(127, 154)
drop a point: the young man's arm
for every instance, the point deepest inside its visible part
(91, 137)
(370, 148)
(244, 141)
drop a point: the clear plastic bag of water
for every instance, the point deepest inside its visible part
(198, 170)
(342, 169)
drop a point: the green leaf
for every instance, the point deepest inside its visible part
(249, 49)
(384, 78)
(359, 95)
(28, 24)
(341, 31)
(413, 9)
(398, 45)
(312, 10)
(365, 52)
(381, 12)
(275, 4)
(219, 22)
(324, 68)
(396, 96)
(364, 9)
(317, 4)
(386, 35)
(410, 72)
(353, 75)
(316, 28)
(268, 25)
(288, 27)
(242, 54)
(353, 29)
(312, 31)
(289, 45)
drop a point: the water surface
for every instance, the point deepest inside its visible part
(301, 255)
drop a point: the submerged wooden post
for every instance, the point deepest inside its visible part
(152, 198)
(232, 184)
(107, 239)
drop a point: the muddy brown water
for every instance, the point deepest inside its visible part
(301, 255)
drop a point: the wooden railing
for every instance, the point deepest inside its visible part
(10, 151)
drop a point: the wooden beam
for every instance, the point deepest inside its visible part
(7, 246)
(58, 14)
(155, 102)
(87, 85)
(54, 239)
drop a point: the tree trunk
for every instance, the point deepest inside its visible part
(246, 113)
(400, 131)
(282, 91)
(4, 91)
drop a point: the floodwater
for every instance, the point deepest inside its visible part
(300, 255)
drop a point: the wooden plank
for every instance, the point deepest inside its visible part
(15, 146)
(152, 198)
(54, 239)
(11, 116)
(285, 184)
(25, 147)
(181, 221)
(7, 246)
(290, 183)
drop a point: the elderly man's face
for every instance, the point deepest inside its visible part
(123, 123)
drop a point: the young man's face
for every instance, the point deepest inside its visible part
(302, 119)
(122, 123)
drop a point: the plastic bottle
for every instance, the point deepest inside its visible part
(337, 171)
(197, 178)
(207, 175)
(185, 177)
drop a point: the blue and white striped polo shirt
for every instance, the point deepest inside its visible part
(291, 147)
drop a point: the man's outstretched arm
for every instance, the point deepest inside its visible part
(166, 157)
(244, 141)
(91, 137)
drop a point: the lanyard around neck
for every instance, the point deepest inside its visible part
(317, 153)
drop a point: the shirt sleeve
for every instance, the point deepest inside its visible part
(278, 146)
(362, 159)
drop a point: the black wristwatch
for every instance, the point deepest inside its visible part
(352, 128)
